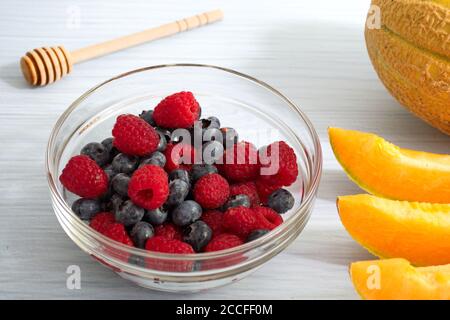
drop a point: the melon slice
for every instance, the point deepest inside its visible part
(397, 279)
(418, 232)
(384, 169)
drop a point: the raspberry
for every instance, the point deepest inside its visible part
(211, 191)
(247, 188)
(179, 156)
(265, 189)
(179, 110)
(162, 244)
(213, 218)
(169, 231)
(267, 218)
(149, 187)
(223, 241)
(134, 136)
(101, 221)
(240, 221)
(84, 177)
(105, 223)
(285, 168)
(240, 163)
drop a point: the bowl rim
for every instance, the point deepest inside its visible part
(267, 238)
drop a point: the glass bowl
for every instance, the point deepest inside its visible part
(260, 114)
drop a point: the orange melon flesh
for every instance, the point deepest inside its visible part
(383, 169)
(397, 279)
(418, 232)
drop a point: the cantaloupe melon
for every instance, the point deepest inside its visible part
(411, 54)
(384, 169)
(397, 279)
(418, 232)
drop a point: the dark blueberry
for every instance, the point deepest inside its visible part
(128, 213)
(197, 234)
(124, 163)
(137, 260)
(186, 213)
(230, 137)
(212, 152)
(109, 171)
(178, 191)
(141, 232)
(162, 145)
(97, 152)
(239, 200)
(180, 174)
(156, 217)
(147, 116)
(211, 122)
(86, 208)
(281, 201)
(164, 133)
(255, 234)
(108, 144)
(112, 203)
(120, 184)
(200, 170)
(156, 158)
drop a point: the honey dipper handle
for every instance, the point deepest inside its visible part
(146, 35)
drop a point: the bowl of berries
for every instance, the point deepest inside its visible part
(183, 177)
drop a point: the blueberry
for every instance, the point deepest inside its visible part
(141, 232)
(147, 116)
(255, 234)
(210, 122)
(162, 144)
(156, 216)
(124, 163)
(239, 200)
(178, 191)
(120, 184)
(180, 174)
(156, 158)
(197, 234)
(164, 133)
(212, 134)
(86, 208)
(281, 201)
(212, 152)
(186, 213)
(200, 170)
(108, 144)
(128, 213)
(230, 137)
(112, 203)
(109, 171)
(97, 152)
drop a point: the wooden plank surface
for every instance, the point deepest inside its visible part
(313, 51)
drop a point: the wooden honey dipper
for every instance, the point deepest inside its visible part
(46, 65)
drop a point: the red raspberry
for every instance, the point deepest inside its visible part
(149, 187)
(223, 241)
(267, 218)
(101, 221)
(169, 231)
(105, 223)
(214, 219)
(265, 189)
(247, 188)
(211, 191)
(240, 163)
(179, 110)
(134, 136)
(239, 221)
(179, 156)
(285, 166)
(84, 177)
(162, 244)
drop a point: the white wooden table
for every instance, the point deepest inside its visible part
(313, 51)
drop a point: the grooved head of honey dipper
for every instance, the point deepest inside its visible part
(42, 66)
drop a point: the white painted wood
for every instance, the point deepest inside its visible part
(313, 51)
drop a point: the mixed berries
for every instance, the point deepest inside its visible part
(154, 187)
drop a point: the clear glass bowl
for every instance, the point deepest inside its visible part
(260, 114)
